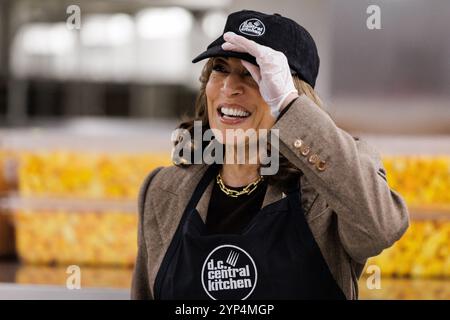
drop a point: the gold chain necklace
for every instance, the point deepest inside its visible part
(234, 193)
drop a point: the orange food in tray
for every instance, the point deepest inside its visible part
(423, 181)
(85, 175)
(68, 237)
(424, 251)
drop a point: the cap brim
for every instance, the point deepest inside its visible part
(217, 51)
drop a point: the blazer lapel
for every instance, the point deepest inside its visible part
(203, 203)
(273, 194)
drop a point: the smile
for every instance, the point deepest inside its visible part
(232, 114)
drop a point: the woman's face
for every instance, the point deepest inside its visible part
(233, 98)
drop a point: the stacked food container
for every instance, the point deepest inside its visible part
(72, 193)
(418, 265)
(77, 187)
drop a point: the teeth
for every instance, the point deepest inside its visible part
(234, 112)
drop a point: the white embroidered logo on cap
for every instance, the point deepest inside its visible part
(252, 27)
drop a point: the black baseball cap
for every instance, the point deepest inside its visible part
(275, 31)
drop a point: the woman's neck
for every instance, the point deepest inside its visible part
(238, 175)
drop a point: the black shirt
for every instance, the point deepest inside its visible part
(229, 215)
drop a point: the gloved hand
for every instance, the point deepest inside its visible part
(273, 75)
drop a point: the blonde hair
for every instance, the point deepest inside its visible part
(304, 88)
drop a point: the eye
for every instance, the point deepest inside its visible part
(219, 68)
(246, 73)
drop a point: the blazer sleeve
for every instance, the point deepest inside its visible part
(348, 173)
(140, 289)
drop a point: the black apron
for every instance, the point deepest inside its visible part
(275, 257)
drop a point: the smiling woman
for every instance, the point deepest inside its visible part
(227, 105)
(223, 116)
(225, 230)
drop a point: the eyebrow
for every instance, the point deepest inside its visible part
(223, 59)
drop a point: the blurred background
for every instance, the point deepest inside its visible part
(90, 92)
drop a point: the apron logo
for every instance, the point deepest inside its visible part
(252, 27)
(232, 258)
(229, 272)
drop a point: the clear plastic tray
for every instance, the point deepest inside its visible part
(422, 252)
(91, 158)
(56, 231)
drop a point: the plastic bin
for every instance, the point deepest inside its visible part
(62, 232)
(78, 183)
(418, 167)
(423, 252)
(90, 159)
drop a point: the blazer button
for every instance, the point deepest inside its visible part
(321, 165)
(298, 143)
(313, 158)
(304, 150)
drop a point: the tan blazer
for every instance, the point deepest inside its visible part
(352, 212)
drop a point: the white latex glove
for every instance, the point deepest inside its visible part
(273, 74)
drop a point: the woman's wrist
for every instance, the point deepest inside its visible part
(291, 97)
(286, 108)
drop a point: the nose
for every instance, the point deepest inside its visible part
(233, 85)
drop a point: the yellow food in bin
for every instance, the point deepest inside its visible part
(108, 237)
(85, 175)
(423, 181)
(424, 251)
(61, 235)
(96, 238)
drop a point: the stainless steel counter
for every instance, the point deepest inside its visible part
(12, 291)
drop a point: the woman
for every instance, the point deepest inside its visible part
(224, 231)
